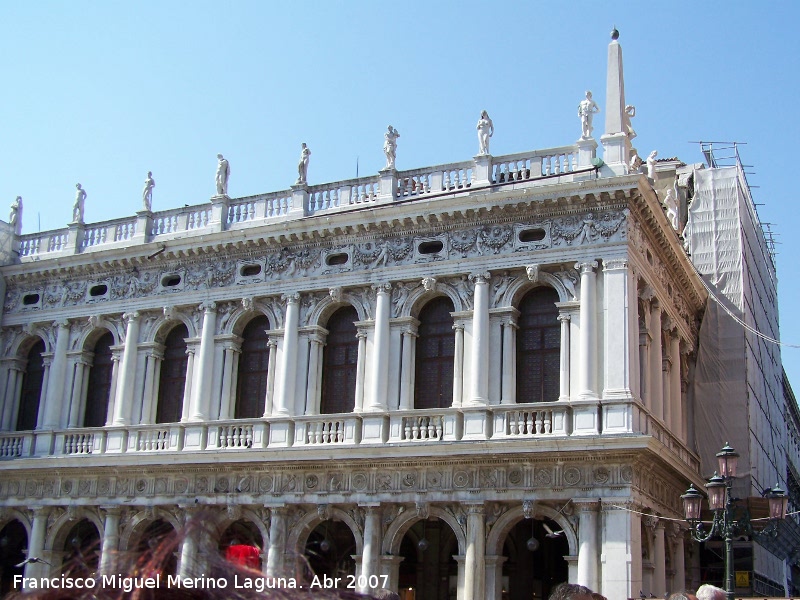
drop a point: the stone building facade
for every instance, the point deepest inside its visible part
(411, 375)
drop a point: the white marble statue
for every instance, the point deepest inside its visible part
(630, 112)
(77, 207)
(586, 111)
(671, 204)
(651, 165)
(15, 218)
(390, 146)
(635, 164)
(485, 131)
(223, 174)
(302, 166)
(147, 193)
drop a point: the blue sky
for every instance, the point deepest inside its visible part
(102, 92)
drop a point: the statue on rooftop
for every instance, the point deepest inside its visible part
(77, 207)
(223, 174)
(630, 112)
(635, 164)
(147, 193)
(651, 165)
(586, 111)
(302, 166)
(485, 131)
(390, 146)
(15, 218)
(671, 205)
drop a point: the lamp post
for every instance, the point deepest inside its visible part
(723, 505)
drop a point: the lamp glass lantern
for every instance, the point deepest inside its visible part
(716, 492)
(728, 460)
(778, 502)
(692, 503)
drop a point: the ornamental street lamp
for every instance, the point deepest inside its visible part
(722, 503)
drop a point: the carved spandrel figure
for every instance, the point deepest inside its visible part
(485, 131)
(77, 207)
(147, 193)
(15, 217)
(630, 112)
(390, 146)
(587, 109)
(302, 165)
(651, 165)
(223, 174)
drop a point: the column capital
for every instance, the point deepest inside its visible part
(130, 317)
(564, 316)
(586, 504)
(61, 323)
(382, 288)
(209, 306)
(647, 294)
(615, 264)
(480, 278)
(474, 508)
(290, 298)
(458, 327)
(586, 267)
(668, 325)
(114, 510)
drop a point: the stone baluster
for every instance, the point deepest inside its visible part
(285, 397)
(127, 378)
(201, 409)
(587, 367)
(480, 340)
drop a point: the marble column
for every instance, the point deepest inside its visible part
(204, 370)
(407, 369)
(189, 384)
(479, 394)
(494, 577)
(116, 358)
(313, 393)
(227, 409)
(77, 402)
(588, 546)
(458, 365)
(621, 549)
(272, 360)
(277, 542)
(372, 544)
(56, 383)
(284, 402)
(475, 558)
(377, 396)
(361, 359)
(587, 367)
(656, 385)
(152, 370)
(659, 561)
(127, 377)
(110, 545)
(675, 385)
(678, 557)
(564, 318)
(644, 367)
(508, 389)
(36, 545)
(14, 368)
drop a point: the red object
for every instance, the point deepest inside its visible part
(246, 556)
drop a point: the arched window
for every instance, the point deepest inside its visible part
(340, 363)
(251, 387)
(99, 387)
(538, 347)
(433, 380)
(31, 388)
(173, 376)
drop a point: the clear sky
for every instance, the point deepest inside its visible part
(102, 92)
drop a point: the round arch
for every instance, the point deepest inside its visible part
(242, 316)
(88, 337)
(12, 514)
(522, 285)
(327, 306)
(138, 524)
(507, 521)
(57, 538)
(225, 519)
(419, 297)
(160, 329)
(400, 526)
(23, 344)
(298, 536)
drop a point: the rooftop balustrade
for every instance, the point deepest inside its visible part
(223, 213)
